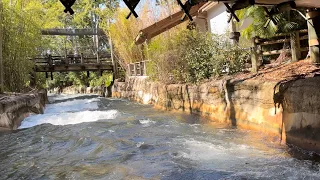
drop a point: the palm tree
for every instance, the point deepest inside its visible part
(286, 22)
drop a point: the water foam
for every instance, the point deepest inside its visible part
(72, 106)
(146, 122)
(68, 118)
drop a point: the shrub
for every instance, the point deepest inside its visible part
(192, 56)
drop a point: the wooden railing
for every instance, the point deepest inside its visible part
(70, 59)
(294, 38)
(294, 48)
(137, 68)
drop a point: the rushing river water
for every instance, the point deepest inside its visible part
(87, 137)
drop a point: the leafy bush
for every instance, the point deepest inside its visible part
(192, 56)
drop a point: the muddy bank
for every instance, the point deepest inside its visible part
(13, 109)
(289, 110)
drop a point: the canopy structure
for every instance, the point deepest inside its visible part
(199, 10)
(300, 3)
(167, 23)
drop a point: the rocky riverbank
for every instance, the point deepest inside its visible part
(287, 107)
(14, 108)
(99, 90)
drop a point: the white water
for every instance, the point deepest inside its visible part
(69, 112)
(135, 141)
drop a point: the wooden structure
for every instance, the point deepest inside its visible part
(166, 24)
(137, 68)
(71, 63)
(72, 32)
(293, 39)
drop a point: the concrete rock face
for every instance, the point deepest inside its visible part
(13, 109)
(101, 91)
(290, 110)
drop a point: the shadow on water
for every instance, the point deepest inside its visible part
(300, 154)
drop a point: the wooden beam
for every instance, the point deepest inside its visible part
(268, 53)
(165, 24)
(73, 67)
(72, 32)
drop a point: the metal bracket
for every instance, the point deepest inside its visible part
(134, 6)
(185, 7)
(233, 14)
(131, 8)
(67, 4)
(270, 16)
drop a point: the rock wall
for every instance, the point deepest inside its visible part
(13, 109)
(101, 91)
(288, 110)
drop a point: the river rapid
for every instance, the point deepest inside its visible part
(88, 137)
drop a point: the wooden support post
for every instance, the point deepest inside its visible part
(145, 68)
(82, 60)
(134, 69)
(32, 79)
(47, 75)
(129, 70)
(234, 35)
(114, 63)
(67, 60)
(295, 46)
(88, 73)
(51, 74)
(313, 17)
(50, 60)
(254, 56)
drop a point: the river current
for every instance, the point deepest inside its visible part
(88, 137)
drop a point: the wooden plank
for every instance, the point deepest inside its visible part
(72, 32)
(165, 24)
(73, 67)
(304, 49)
(274, 42)
(268, 53)
(304, 37)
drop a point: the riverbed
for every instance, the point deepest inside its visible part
(88, 137)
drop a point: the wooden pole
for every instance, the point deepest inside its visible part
(254, 56)
(82, 60)
(295, 46)
(1, 55)
(313, 17)
(114, 63)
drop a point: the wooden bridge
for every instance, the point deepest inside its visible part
(72, 63)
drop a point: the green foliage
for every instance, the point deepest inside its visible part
(286, 22)
(123, 33)
(104, 80)
(192, 56)
(197, 51)
(21, 37)
(65, 79)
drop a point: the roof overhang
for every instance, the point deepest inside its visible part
(167, 23)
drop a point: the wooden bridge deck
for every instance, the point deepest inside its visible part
(71, 63)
